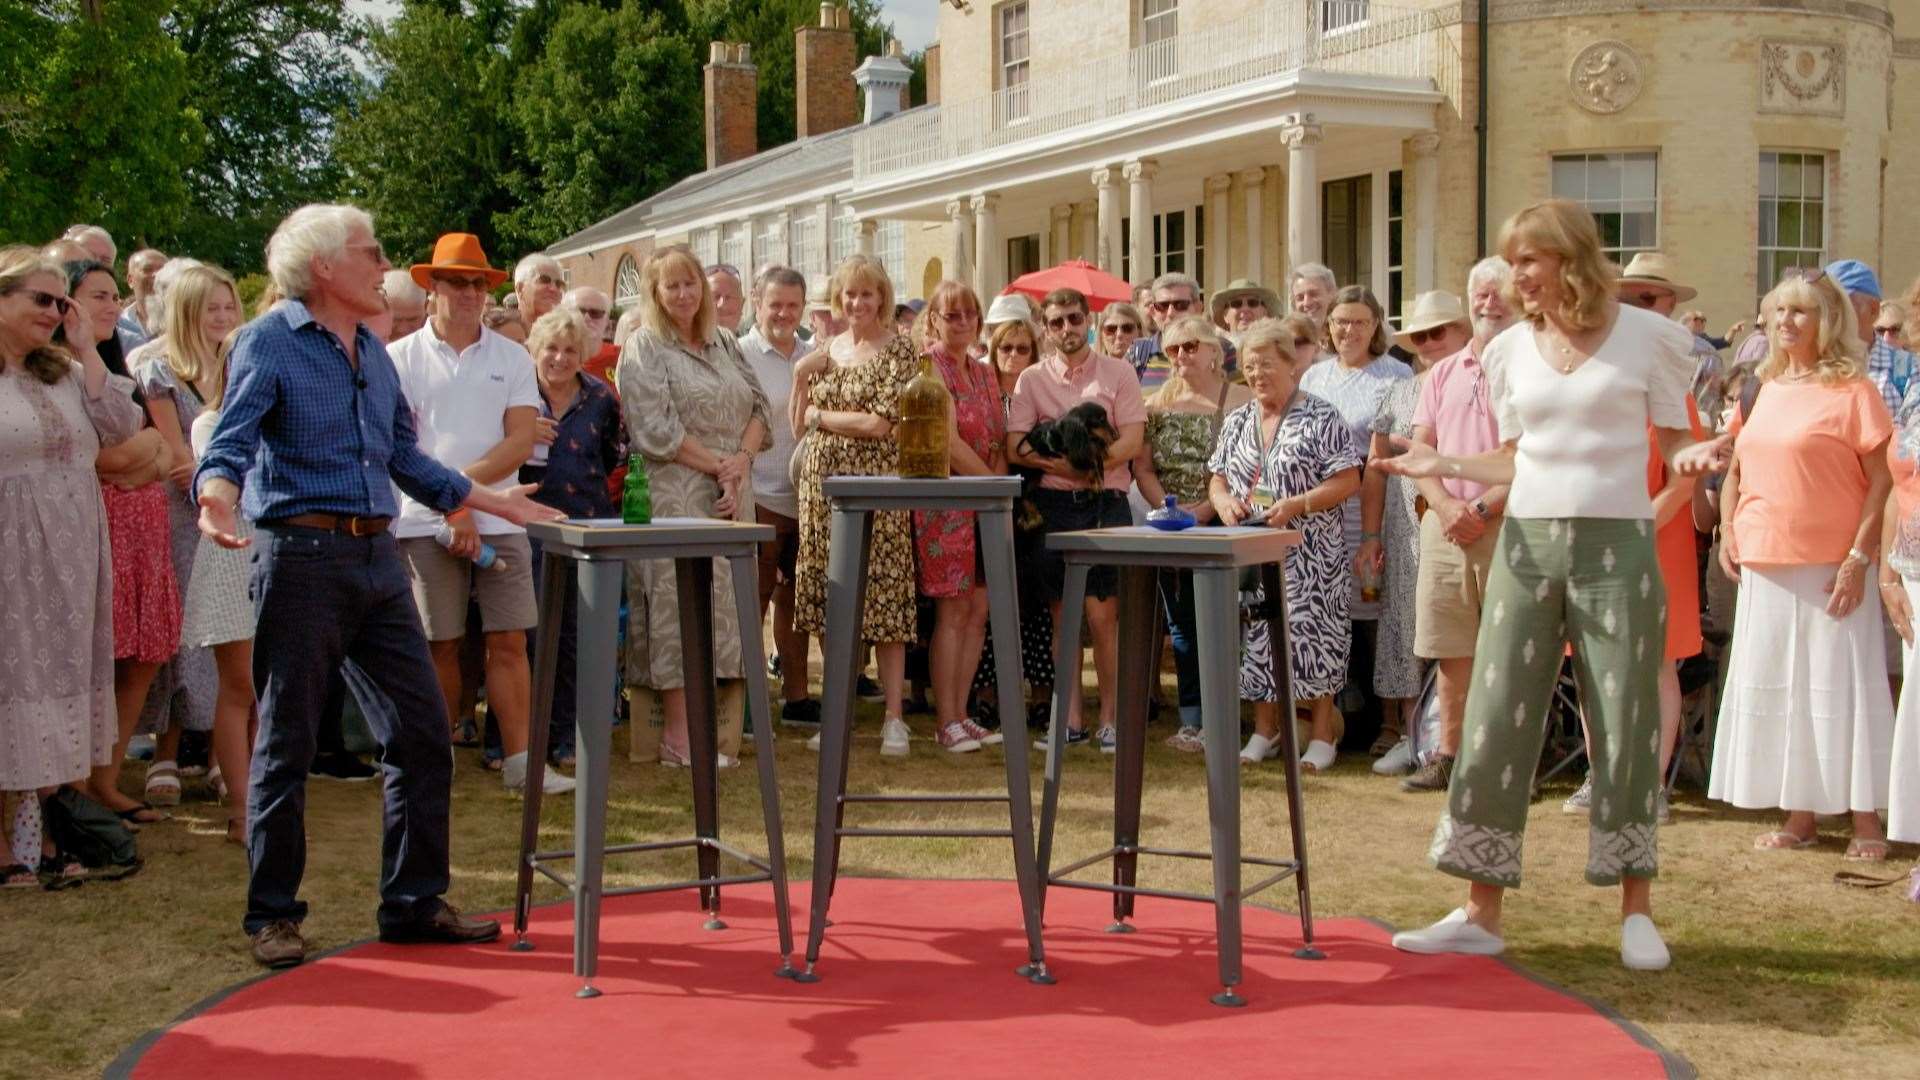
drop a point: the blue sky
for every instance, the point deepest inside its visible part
(914, 21)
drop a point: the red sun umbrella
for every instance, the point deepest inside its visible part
(1099, 287)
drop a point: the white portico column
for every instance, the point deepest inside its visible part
(864, 231)
(1059, 234)
(990, 255)
(823, 221)
(1217, 232)
(1426, 205)
(1140, 209)
(1107, 229)
(960, 224)
(1254, 183)
(1302, 137)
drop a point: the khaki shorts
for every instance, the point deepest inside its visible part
(441, 584)
(1451, 587)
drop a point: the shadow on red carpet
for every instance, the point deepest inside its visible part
(917, 981)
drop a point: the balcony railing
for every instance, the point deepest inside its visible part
(1335, 36)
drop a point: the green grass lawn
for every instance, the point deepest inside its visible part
(1776, 970)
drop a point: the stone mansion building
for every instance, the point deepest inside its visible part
(1235, 138)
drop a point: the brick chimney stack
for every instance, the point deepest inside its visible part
(824, 98)
(733, 109)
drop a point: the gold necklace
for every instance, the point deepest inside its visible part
(1565, 348)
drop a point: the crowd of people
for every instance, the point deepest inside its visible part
(248, 527)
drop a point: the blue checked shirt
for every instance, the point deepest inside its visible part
(1892, 370)
(300, 435)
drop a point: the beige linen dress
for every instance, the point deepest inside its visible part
(671, 393)
(56, 626)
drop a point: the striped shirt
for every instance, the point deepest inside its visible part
(302, 432)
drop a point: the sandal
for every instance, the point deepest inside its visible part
(1866, 850)
(219, 782)
(131, 816)
(163, 784)
(61, 871)
(19, 876)
(1782, 840)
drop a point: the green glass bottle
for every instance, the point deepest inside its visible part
(636, 500)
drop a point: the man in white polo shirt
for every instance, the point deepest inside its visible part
(475, 399)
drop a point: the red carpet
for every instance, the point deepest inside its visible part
(917, 982)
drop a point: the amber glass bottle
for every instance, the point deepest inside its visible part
(922, 430)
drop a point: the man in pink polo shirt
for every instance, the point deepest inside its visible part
(1070, 375)
(1459, 529)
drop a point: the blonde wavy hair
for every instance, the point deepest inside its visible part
(1565, 229)
(49, 363)
(564, 325)
(653, 313)
(862, 270)
(1184, 329)
(187, 350)
(1841, 357)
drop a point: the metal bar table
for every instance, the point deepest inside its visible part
(854, 500)
(599, 551)
(1215, 556)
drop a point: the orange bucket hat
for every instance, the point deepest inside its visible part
(454, 252)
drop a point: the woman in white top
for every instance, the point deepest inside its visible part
(1574, 388)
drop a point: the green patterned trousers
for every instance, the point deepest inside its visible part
(1594, 582)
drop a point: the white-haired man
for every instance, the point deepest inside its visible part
(1310, 289)
(98, 242)
(407, 301)
(729, 295)
(1459, 530)
(596, 310)
(310, 450)
(538, 284)
(1174, 295)
(135, 325)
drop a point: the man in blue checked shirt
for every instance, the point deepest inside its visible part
(1890, 367)
(313, 435)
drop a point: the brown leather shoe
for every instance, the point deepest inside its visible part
(446, 926)
(279, 944)
(1435, 775)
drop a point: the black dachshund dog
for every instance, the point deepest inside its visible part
(1080, 437)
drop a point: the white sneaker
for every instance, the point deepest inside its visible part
(1640, 946)
(1258, 749)
(1453, 934)
(893, 737)
(1397, 760)
(513, 776)
(813, 742)
(1319, 756)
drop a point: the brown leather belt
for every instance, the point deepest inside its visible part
(340, 523)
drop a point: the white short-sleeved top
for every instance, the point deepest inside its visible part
(460, 402)
(1582, 436)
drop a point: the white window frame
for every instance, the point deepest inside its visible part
(1013, 52)
(626, 282)
(1159, 39)
(1770, 259)
(1621, 203)
(1343, 16)
(890, 247)
(804, 244)
(1396, 230)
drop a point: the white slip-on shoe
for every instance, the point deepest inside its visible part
(1640, 946)
(1319, 757)
(1453, 934)
(1258, 749)
(813, 742)
(1397, 760)
(893, 737)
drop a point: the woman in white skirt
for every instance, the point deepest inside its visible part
(219, 616)
(1806, 722)
(1900, 590)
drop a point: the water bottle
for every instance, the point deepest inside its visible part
(488, 559)
(636, 500)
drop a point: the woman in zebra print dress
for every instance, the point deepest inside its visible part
(1290, 455)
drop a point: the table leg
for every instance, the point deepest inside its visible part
(1066, 675)
(1274, 584)
(1003, 623)
(555, 583)
(693, 586)
(1216, 615)
(746, 603)
(846, 599)
(599, 622)
(1138, 668)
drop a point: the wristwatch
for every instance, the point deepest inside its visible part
(1856, 555)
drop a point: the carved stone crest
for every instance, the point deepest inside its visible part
(1605, 77)
(1803, 77)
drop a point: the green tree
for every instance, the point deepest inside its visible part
(426, 150)
(268, 78)
(94, 121)
(604, 118)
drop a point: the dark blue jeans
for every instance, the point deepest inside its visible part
(1176, 601)
(320, 598)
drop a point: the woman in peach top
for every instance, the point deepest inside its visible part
(1806, 722)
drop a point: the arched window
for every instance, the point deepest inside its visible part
(626, 282)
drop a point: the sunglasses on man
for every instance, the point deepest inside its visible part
(1120, 328)
(1642, 300)
(1240, 303)
(1421, 337)
(1061, 322)
(1171, 305)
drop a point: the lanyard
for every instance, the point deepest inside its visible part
(1259, 466)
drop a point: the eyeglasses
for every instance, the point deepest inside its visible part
(592, 312)
(461, 284)
(959, 317)
(1642, 300)
(1182, 348)
(1886, 331)
(1061, 322)
(1120, 328)
(1303, 342)
(1240, 302)
(1171, 305)
(1421, 337)
(1016, 350)
(379, 253)
(1350, 324)
(46, 300)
